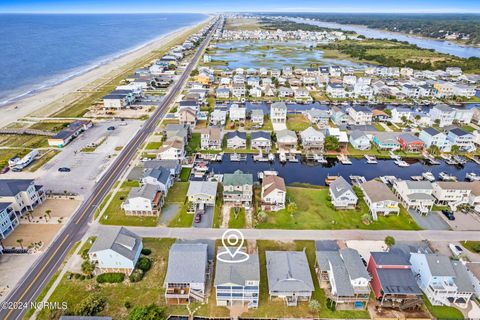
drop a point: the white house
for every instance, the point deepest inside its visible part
(237, 283)
(186, 273)
(431, 136)
(261, 140)
(202, 192)
(173, 149)
(23, 194)
(451, 193)
(8, 220)
(359, 140)
(211, 138)
(257, 118)
(398, 113)
(379, 198)
(278, 112)
(312, 139)
(286, 139)
(442, 114)
(462, 139)
(273, 193)
(115, 249)
(342, 194)
(444, 282)
(145, 200)
(361, 115)
(218, 117)
(236, 139)
(237, 113)
(223, 93)
(415, 195)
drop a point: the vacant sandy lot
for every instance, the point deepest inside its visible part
(58, 207)
(31, 233)
(12, 268)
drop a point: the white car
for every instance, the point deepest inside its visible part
(456, 249)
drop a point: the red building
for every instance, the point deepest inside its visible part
(393, 283)
(411, 143)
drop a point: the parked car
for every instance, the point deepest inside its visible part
(111, 128)
(64, 169)
(448, 214)
(456, 250)
(4, 170)
(198, 217)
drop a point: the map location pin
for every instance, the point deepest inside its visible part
(232, 241)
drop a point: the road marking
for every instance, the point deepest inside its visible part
(37, 276)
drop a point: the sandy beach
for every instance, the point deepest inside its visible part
(49, 101)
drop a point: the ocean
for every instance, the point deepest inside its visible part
(38, 51)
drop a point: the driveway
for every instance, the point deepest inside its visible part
(431, 221)
(464, 221)
(207, 219)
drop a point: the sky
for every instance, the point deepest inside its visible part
(207, 6)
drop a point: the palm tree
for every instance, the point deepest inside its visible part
(46, 218)
(20, 242)
(455, 149)
(30, 215)
(48, 212)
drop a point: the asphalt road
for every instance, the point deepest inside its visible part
(18, 301)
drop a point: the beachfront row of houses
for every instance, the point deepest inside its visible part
(397, 277)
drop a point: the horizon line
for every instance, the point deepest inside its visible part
(446, 12)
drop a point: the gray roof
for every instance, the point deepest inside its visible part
(340, 186)
(431, 131)
(202, 187)
(286, 133)
(260, 134)
(377, 191)
(443, 107)
(439, 265)
(390, 259)
(240, 134)
(288, 271)
(355, 134)
(398, 281)
(161, 174)
(323, 258)
(326, 245)
(147, 191)
(237, 273)
(341, 278)
(187, 263)
(11, 187)
(354, 264)
(120, 240)
(462, 278)
(427, 185)
(238, 178)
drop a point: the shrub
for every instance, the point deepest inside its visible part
(144, 264)
(314, 305)
(76, 275)
(85, 254)
(136, 276)
(91, 305)
(146, 251)
(110, 277)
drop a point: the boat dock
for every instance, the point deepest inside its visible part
(371, 159)
(357, 180)
(237, 157)
(431, 159)
(344, 159)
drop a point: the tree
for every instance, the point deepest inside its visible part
(418, 117)
(331, 143)
(437, 122)
(404, 119)
(151, 312)
(433, 150)
(48, 213)
(88, 267)
(91, 305)
(389, 241)
(455, 149)
(20, 242)
(314, 305)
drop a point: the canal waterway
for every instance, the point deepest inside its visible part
(311, 173)
(441, 46)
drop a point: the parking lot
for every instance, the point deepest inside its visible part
(86, 167)
(464, 221)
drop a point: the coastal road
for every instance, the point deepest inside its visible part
(287, 235)
(18, 301)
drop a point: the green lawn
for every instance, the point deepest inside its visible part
(314, 211)
(277, 308)
(442, 312)
(178, 194)
(473, 246)
(378, 126)
(194, 143)
(148, 290)
(185, 174)
(50, 126)
(153, 145)
(23, 141)
(297, 122)
(114, 215)
(468, 128)
(240, 221)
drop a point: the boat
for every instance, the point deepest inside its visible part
(283, 157)
(416, 178)
(446, 177)
(401, 163)
(459, 159)
(472, 176)
(448, 159)
(431, 159)
(271, 157)
(292, 158)
(428, 176)
(330, 179)
(236, 157)
(394, 156)
(371, 159)
(344, 159)
(261, 158)
(357, 180)
(320, 159)
(265, 173)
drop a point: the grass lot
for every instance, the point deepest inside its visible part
(473, 246)
(185, 174)
(50, 126)
(442, 312)
(147, 291)
(314, 211)
(114, 215)
(277, 308)
(194, 143)
(378, 126)
(177, 194)
(23, 140)
(240, 221)
(468, 128)
(381, 153)
(297, 122)
(153, 145)
(242, 24)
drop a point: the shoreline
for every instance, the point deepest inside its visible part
(37, 99)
